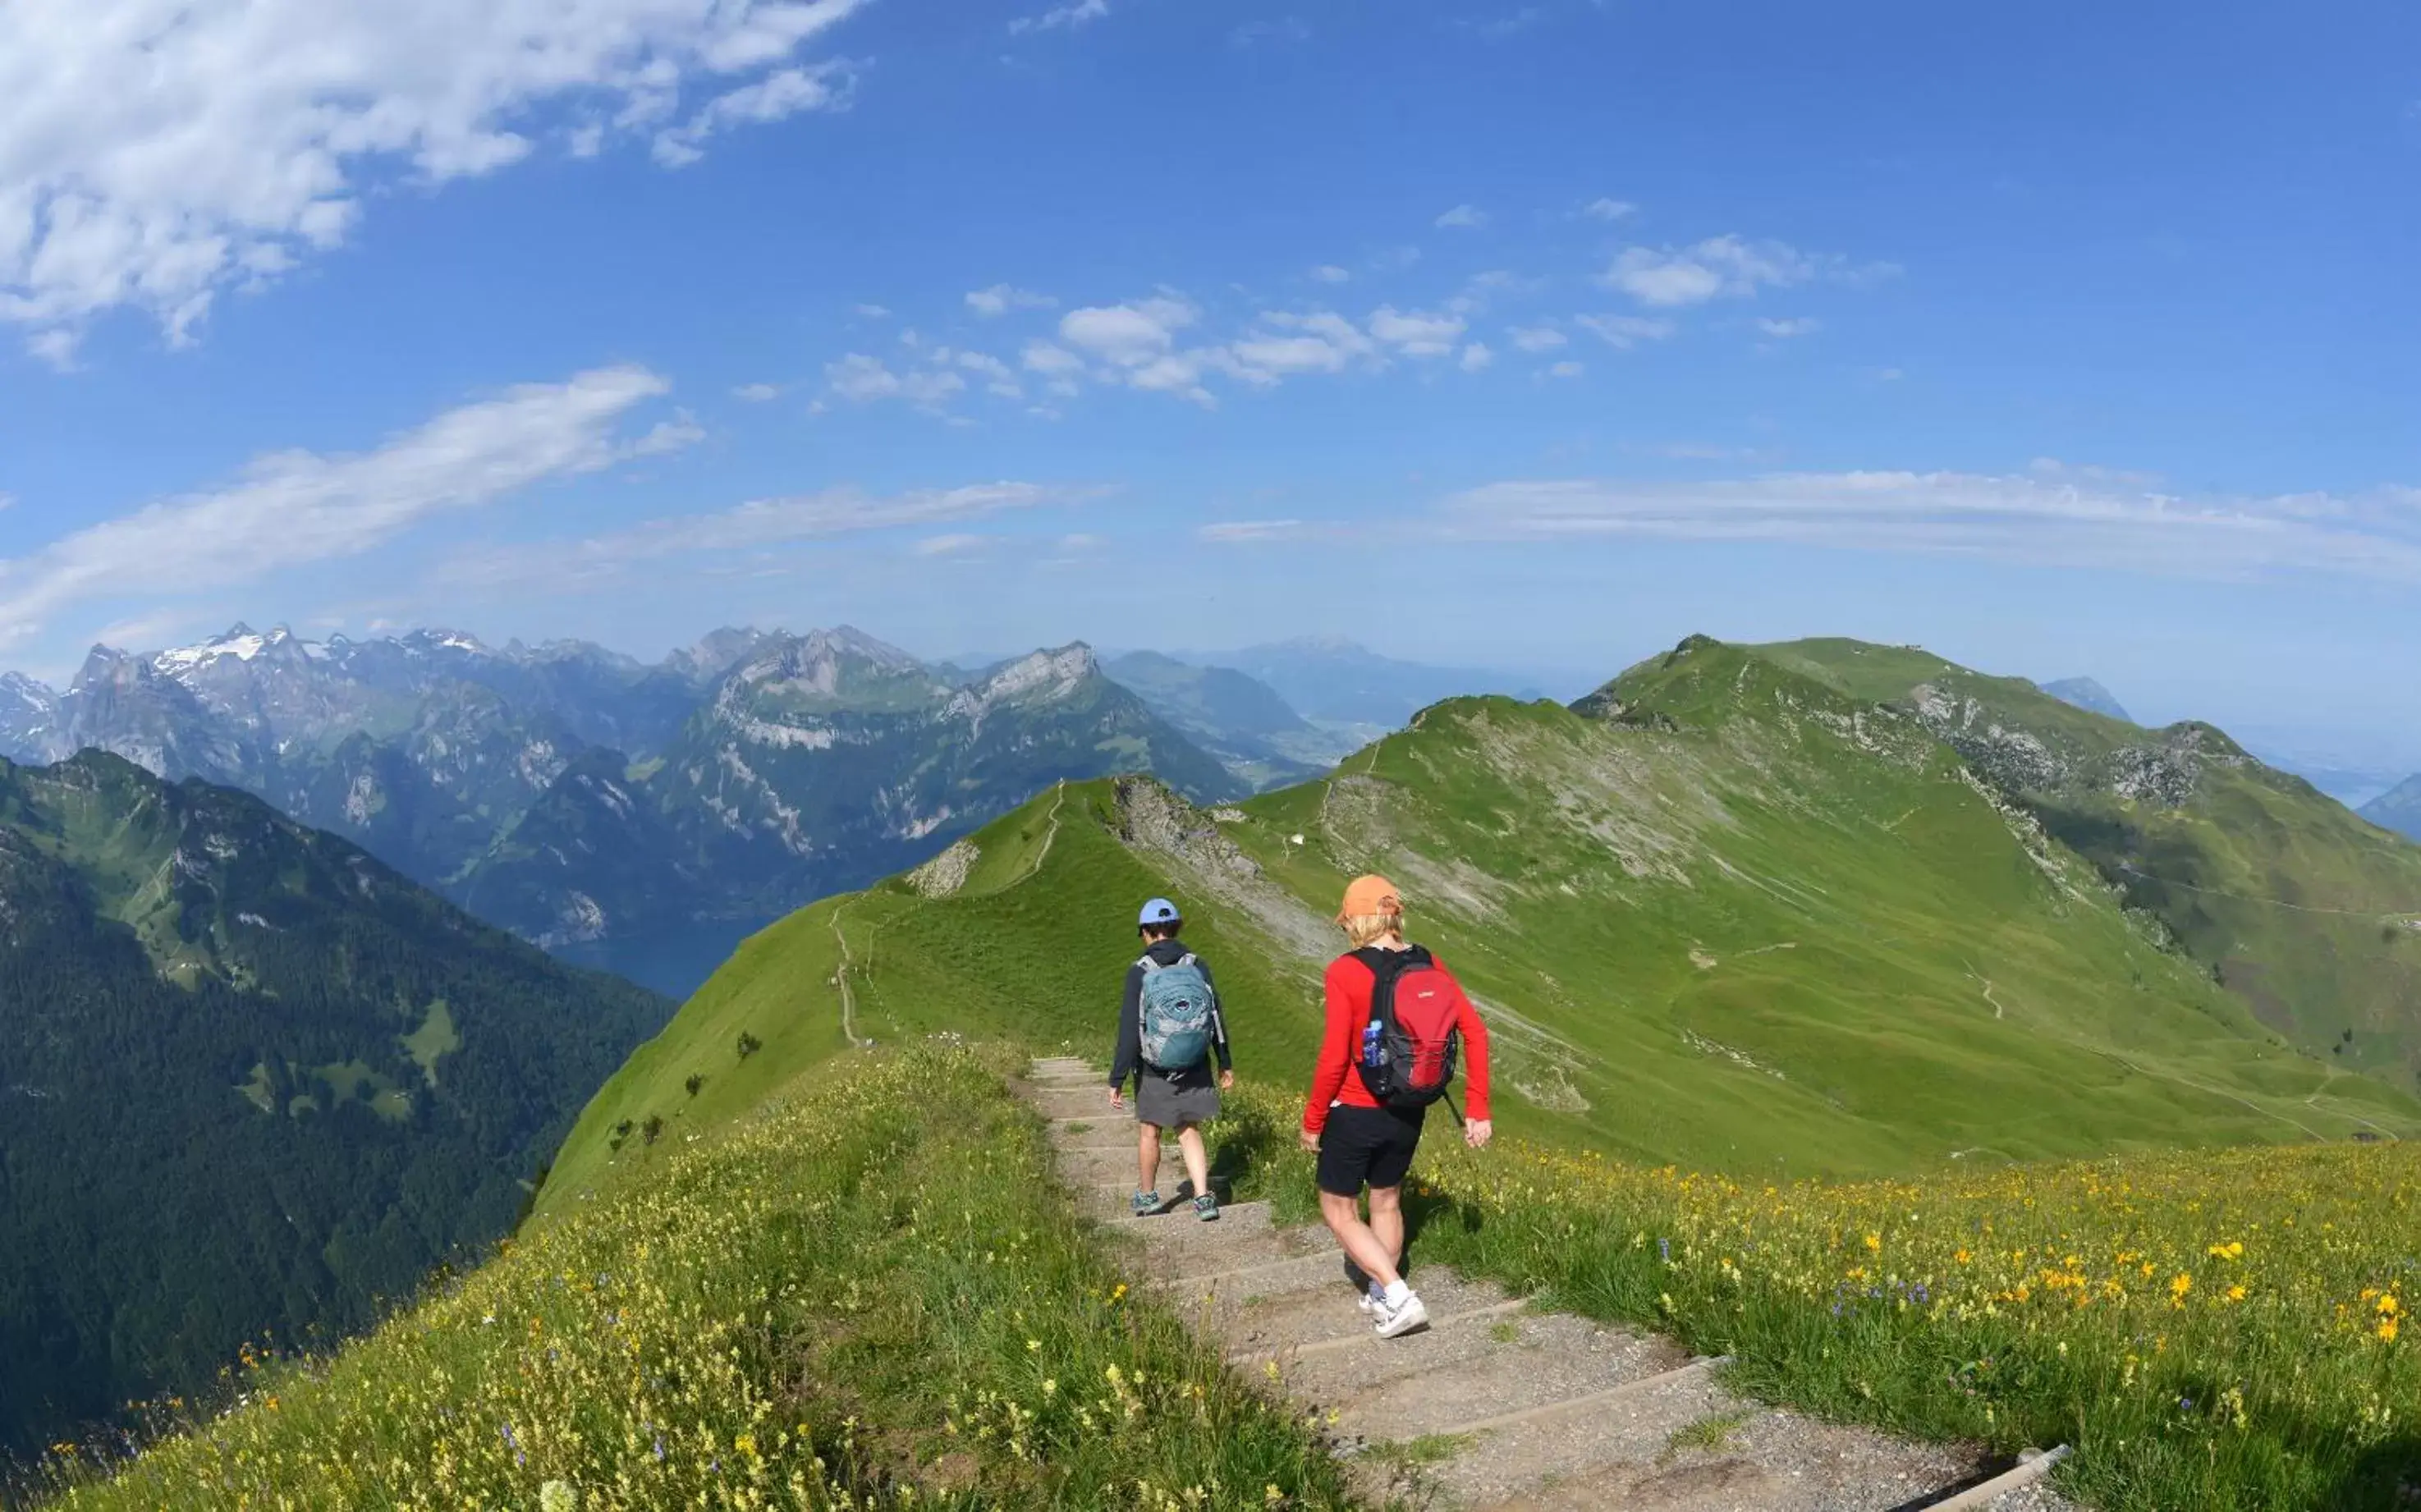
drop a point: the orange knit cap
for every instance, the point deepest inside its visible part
(1367, 896)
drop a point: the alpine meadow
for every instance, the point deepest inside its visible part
(1826, 1052)
(1108, 755)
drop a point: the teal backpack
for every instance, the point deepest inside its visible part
(1175, 1007)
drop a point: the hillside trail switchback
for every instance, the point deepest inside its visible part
(1496, 1405)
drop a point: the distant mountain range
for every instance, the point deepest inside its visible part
(250, 1080)
(2089, 696)
(1331, 680)
(645, 817)
(2398, 810)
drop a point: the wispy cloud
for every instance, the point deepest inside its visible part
(1463, 218)
(1235, 532)
(951, 545)
(1328, 273)
(756, 393)
(1624, 332)
(1277, 29)
(294, 508)
(154, 157)
(761, 523)
(1609, 210)
(1475, 357)
(2033, 519)
(1061, 18)
(1785, 329)
(1535, 338)
(1727, 267)
(1002, 298)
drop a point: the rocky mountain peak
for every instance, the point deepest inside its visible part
(1043, 677)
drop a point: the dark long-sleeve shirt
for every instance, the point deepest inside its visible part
(1129, 1061)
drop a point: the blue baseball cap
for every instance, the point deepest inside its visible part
(1159, 911)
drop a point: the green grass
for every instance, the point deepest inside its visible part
(1712, 1433)
(433, 1040)
(867, 1295)
(2212, 1330)
(2303, 907)
(1778, 941)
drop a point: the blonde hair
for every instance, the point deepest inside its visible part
(1365, 929)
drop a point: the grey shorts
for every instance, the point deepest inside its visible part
(1166, 1104)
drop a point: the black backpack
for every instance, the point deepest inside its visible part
(1406, 1050)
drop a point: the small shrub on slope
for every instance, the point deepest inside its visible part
(871, 1296)
(2211, 1329)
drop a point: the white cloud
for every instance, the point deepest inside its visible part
(1416, 333)
(863, 380)
(756, 393)
(1796, 326)
(153, 155)
(951, 545)
(1001, 298)
(1284, 29)
(752, 526)
(1476, 356)
(1536, 337)
(2029, 520)
(999, 377)
(1328, 273)
(775, 97)
(871, 312)
(1321, 341)
(1463, 218)
(1609, 210)
(1722, 265)
(1729, 266)
(1234, 532)
(1069, 17)
(1566, 369)
(1050, 360)
(1128, 336)
(1624, 332)
(294, 508)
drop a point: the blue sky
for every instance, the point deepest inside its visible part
(2060, 340)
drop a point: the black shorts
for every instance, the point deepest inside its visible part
(1372, 1145)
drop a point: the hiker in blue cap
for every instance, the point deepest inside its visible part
(1169, 1028)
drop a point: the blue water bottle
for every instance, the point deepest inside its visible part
(1370, 1043)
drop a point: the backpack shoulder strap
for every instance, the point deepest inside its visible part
(1186, 960)
(1148, 965)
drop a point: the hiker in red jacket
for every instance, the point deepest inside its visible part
(1396, 1019)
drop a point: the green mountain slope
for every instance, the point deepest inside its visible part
(250, 1080)
(1721, 913)
(2310, 915)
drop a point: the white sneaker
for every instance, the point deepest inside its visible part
(1371, 1306)
(1402, 1317)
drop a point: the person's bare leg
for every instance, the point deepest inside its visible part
(1388, 1222)
(1148, 1157)
(1197, 1159)
(1361, 1246)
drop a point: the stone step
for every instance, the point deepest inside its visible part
(1302, 1322)
(1528, 1362)
(1622, 1454)
(1187, 1275)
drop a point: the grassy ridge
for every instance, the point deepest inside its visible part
(2218, 1331)
(1777, 937)
(2310, 913)
(869, 1296)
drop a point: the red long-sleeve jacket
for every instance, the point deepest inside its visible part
(1347, 987)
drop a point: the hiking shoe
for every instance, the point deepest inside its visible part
(1146, 1203)
(1205, 1207)
(1400, 1319)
